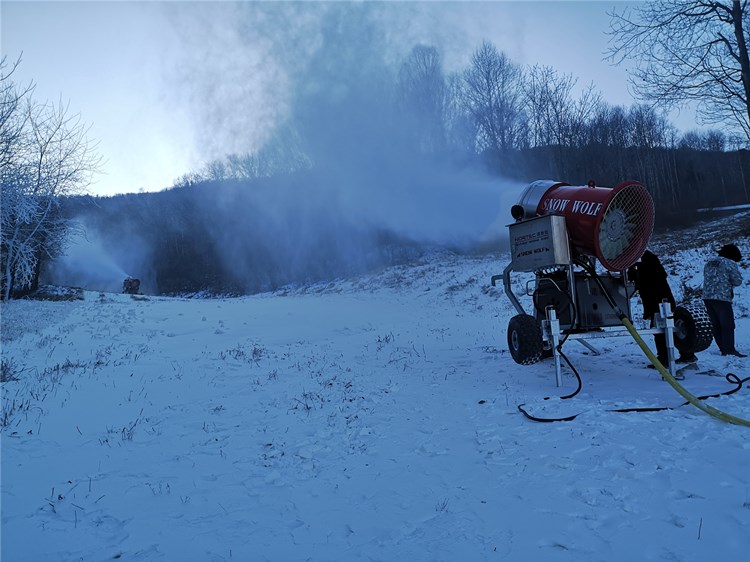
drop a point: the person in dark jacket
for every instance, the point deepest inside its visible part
(720, 276)
(652, 284)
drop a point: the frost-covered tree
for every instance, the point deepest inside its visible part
(44, 155)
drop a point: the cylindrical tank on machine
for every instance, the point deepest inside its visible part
(613, 225)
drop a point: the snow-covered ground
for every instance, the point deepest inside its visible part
(367, 419)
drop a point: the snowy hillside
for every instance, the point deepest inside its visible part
(367, 419)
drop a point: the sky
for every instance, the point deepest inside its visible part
(370, 418)
(169, 86)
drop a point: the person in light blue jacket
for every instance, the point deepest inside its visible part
(720, 276)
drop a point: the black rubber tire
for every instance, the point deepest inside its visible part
(692, 328)
(525, 339)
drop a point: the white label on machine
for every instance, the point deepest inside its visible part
(539, 243)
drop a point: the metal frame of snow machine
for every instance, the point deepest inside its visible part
(571, 299)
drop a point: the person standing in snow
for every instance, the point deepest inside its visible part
(652, 284)
(720, 276)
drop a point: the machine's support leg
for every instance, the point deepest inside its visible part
(590, 347)
(665, 311)
(554, 325)
(506, 285)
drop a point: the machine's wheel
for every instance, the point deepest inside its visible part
(524, 339)
(692, 328)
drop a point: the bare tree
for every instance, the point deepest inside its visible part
(45, 155)
(689, 50)
(461, 129)
(557, 118)
(647, 128)
(607, 126)
(714, 140)
(648, 134)
(494, 96)
(283, 153)
(422, 94)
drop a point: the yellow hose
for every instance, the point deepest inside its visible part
(723, 416)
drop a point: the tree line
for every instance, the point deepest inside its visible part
(525, 123)
(218, 235)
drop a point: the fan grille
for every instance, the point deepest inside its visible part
(626, 227)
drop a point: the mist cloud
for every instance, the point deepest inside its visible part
(251, 72)
(98, 264)
(327, 71)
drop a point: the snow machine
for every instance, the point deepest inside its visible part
(565, 235)
(131, 286)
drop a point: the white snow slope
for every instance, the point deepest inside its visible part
(367, 419)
